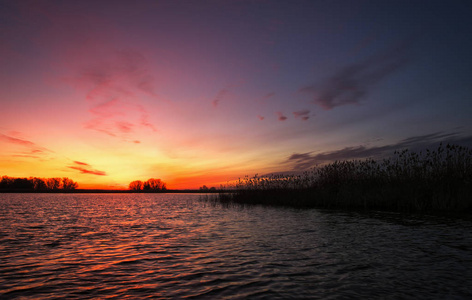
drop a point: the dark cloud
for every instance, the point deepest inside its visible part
(352, 83)
(302, 114)
(281, 116)
(303, 161)
(85, 168)
(221, 94)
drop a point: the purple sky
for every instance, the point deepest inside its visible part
(200, 92)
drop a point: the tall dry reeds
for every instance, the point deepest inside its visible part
(429, 181)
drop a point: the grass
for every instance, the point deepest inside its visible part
(431, 181)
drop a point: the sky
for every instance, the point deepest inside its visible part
(204, 92)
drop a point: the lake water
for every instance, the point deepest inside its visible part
(66, 246)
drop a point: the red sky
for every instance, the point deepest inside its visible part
(203, 92)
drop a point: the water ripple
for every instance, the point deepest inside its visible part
(55, 246)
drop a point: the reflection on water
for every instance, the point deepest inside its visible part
(175, 246)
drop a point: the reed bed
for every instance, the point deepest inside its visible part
(437, 180)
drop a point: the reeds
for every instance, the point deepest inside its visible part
(430, 181)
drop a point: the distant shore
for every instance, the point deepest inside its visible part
(103, 191)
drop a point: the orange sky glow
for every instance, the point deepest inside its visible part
(206, 92)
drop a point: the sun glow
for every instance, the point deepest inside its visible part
(105, 95)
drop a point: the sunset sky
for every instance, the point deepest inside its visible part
(202, 92)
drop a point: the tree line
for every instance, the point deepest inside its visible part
(37, 184)
(151, 185)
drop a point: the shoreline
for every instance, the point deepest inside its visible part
(100, 191)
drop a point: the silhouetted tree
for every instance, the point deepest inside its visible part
(6, 182)
(39, 184)
(154, 184)
(206, 189)
(22, 184)
(151, 185)
(136, 185)
(68, 184)
(53, 183)
(36, 184)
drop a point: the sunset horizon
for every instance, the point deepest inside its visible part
(235, 149)
(203, 93)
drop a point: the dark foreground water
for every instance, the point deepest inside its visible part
(55, 246)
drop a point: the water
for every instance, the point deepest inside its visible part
(66, 246)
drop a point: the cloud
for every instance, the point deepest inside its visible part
(85, 168)
(352, 83)
(108, 109)
(121, 74)
(86, 171)
(302, 114)
(144, 121)
(303, 161)
(221, 94)
(17, 141)
(98, 125)
(124, 126)
(117, 118)
(26, 155)
(260, 117)
(114, 85)
(265, 97)
(33, 148)
(281, 116)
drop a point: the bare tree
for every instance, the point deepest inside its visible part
(68, 184)
(136, 185)
(151, 185)
(53, 183)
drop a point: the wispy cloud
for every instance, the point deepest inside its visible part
(303, 161)
(302, 114)
(220, 96)
(85, 168)
(144, 119)
(17, 141)
(264, 98)
(32, 147)
(260, 117)
(281, 116)
(113, 86)
(124, 126)
(352, 83)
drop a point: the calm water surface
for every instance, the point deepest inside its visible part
(66, 246)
